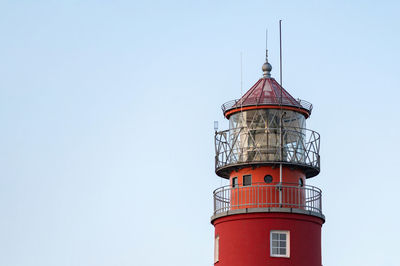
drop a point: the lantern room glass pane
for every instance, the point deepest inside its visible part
(255, 135)
(266, 118)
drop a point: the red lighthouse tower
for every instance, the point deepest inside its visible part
(267, 215)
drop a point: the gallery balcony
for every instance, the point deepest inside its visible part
(278, 197)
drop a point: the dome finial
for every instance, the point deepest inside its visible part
(266, 67)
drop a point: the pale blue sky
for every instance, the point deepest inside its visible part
(107, 110)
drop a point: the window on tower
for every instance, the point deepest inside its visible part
(235, 181)
(268, 179)
(216, 249)
(247, 180)
(280, 244)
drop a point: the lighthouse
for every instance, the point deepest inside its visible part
(268, 214)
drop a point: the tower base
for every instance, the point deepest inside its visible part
(245, 239)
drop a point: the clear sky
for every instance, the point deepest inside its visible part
(107, 110)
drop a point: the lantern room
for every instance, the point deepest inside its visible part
(267, 126)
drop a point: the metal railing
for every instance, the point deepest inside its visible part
(286, 101)
(243, 145)
(262, 195)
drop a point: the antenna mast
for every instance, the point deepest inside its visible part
(241, 85)
(281, 113)
(280, 51)
(241, 74)
(266, 45)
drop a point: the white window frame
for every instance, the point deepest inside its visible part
(287, 233)
(216, 249)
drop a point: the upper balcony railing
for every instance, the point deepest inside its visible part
(263, 197)
(302, 104)
(246, 146)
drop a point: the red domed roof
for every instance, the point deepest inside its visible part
(267, 92)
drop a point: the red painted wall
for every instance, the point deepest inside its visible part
(288, 175)
(244, 239)
(252, 196)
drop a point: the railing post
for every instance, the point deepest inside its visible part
(215, 204)
(320, 201)
(298, 199)
(258, 199)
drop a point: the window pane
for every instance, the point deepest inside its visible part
(247, 180)
(216, 249)
(234, 182)
(279, 243)
(268, 179)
